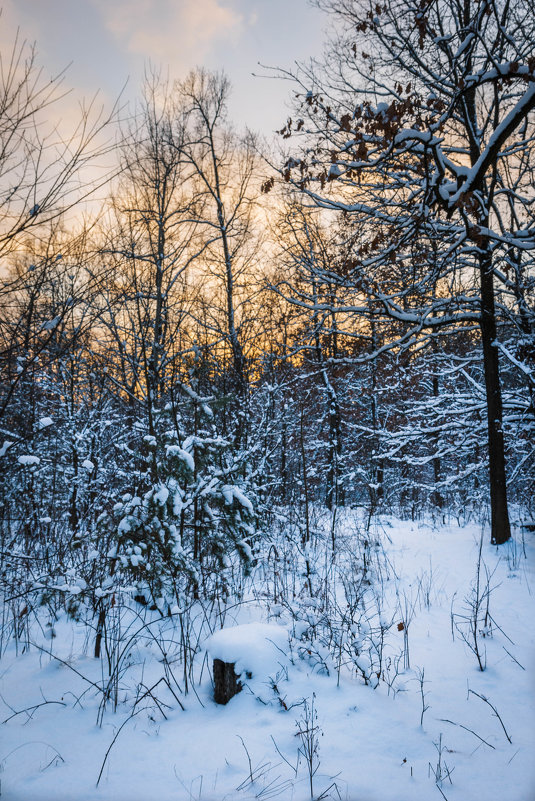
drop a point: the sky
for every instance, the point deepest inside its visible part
(109, 43)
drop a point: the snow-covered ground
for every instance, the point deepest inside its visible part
(384, 703)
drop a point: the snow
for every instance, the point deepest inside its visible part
(5, 447)
(255, 648)
(382, 744)
(124, 527)
(161, 495)
(88, 465)
(464, 44)
(27, 460)
(514, 118)
(231, 491)
(49, 325)
(44, 422)
(176, 450)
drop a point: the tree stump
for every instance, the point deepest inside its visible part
(226, 683)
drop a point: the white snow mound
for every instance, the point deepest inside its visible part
(257, 648)
(28, 460)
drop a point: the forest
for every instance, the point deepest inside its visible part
(239, 378)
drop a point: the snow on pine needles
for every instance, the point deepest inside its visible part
(400, 670)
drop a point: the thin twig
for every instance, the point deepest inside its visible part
(32, 709)
(512, 657)
(282, 755)
(445, 720)
(248, 758)
(63, 662)
(119, 730)
(496, 713)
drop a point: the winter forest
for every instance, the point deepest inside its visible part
(267, 420)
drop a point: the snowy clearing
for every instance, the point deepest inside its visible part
(368, 688)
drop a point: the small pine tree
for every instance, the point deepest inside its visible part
(191, 513)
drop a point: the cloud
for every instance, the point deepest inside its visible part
(180, 33)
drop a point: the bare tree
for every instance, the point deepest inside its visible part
(225, 165)
(152, 238)
(421, 127)
(44, 171)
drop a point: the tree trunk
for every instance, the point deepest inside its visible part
(500, 528)
(436, 496)
(226, 683)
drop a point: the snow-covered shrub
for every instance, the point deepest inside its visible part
(188, 517)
